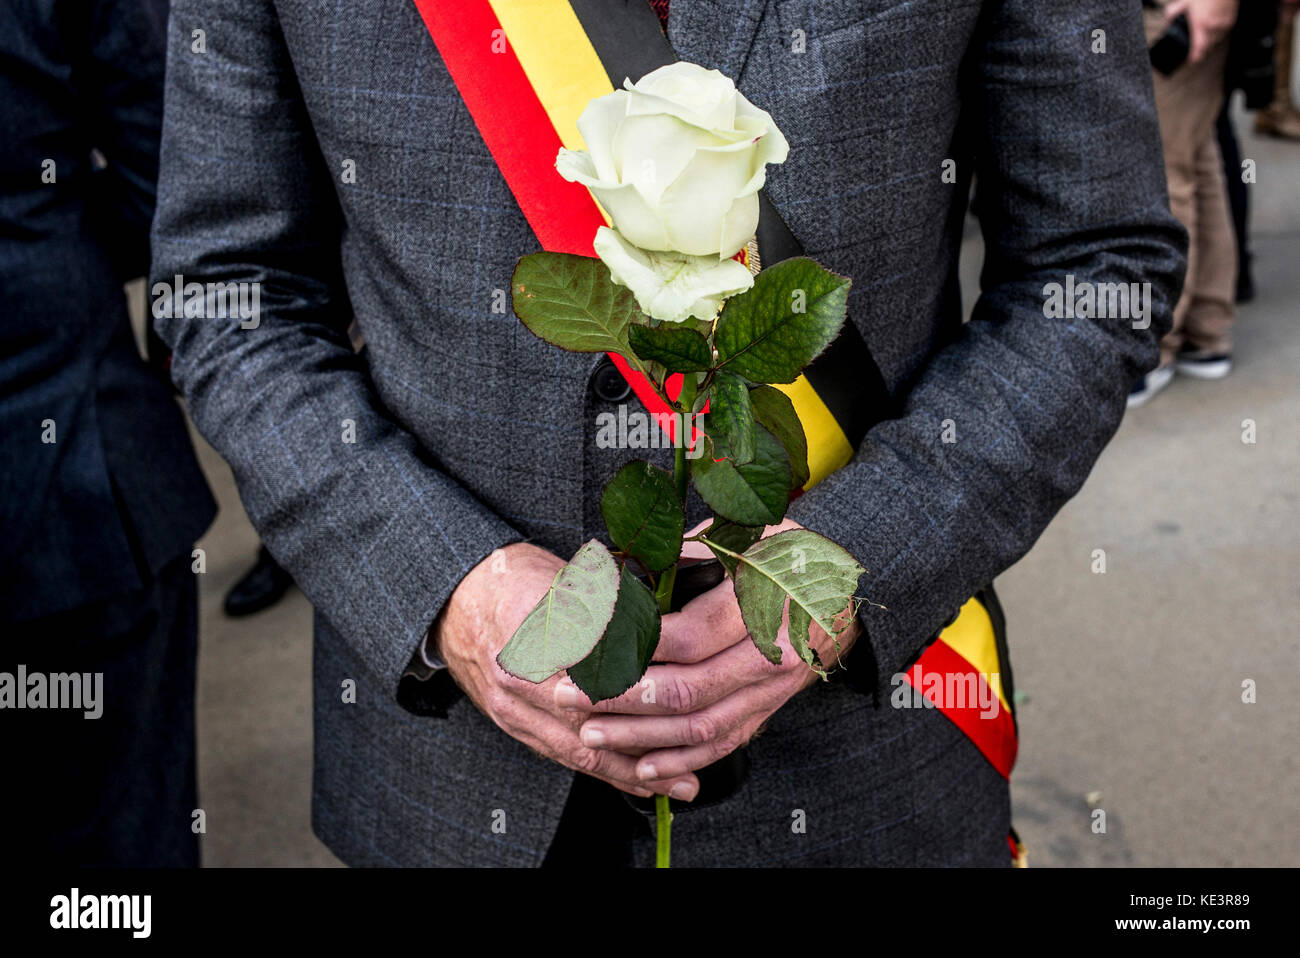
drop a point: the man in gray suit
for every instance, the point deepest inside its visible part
(424, 491)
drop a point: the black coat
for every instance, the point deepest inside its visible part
(118, 493)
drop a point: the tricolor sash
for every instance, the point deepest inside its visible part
(526, 69)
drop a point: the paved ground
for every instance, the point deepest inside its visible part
(1131, 680)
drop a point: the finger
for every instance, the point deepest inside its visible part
(554, 740)
(706, 625)
(539, 695)
(1175, 9)
(645, 733)
(677, 689)
(669, 762)
(690, 757)
(696, 550)
(620, 771)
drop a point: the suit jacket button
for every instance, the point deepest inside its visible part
(608, 383)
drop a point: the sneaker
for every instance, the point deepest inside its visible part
(1200, 364)
(1145, 388)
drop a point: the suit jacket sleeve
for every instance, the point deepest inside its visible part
(1071, 181)
(373, 532)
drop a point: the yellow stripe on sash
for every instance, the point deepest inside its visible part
(971, 636)
(557, 58)
(828, 447)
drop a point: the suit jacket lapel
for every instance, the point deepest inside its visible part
(717, 34)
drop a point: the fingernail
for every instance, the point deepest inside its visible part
(683, 791)
(566, 696)
(646, 773)
(593, 737)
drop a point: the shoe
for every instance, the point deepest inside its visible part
(1200, 364)
(1245, 286)
(261, 587)
(1279, 120)
(1144, 389)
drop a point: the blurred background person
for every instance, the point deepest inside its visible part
(101, 498)
(1281, 118)
(1189, 53)
(1250, 69)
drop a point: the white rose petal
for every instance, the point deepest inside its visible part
(703, 98)
(693, 208)
(671, 286)
(598, 125)
(739, 224)
(651, 151)
(676, 159)
(774, 147)
(623, 203)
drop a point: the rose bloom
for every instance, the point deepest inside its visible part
(677, 160)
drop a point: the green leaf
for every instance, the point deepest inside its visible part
(624, 652)
(571, 302)
(658, 374)
(816, 575)
(754, 494)
(732, 538)
(800, 638)
(730, 420)
(568, 621)
(677, 348)
(770, 333)
(702, 326)
(643, 514)
(775, 412)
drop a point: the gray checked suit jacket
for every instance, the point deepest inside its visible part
(470, 433)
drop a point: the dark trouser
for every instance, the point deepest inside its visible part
(597, 828)
(1238, 197)
(120, 789)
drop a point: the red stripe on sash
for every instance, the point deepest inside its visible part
(512, 122)
(995, 737)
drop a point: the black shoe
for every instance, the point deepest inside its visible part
(1245, 286)
(262, 587)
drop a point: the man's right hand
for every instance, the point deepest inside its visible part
(476, 623)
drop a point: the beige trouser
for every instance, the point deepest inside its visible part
(1188, 103)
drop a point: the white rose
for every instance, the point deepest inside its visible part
(671, 286)
(677, 160)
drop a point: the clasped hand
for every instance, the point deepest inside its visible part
(709, 692)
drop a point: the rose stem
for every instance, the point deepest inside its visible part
(664, 593)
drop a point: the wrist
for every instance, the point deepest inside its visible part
(475, 608)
